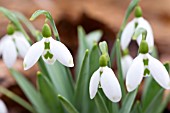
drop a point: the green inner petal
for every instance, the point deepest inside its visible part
(48, 55)
(146, 72)
(145, 62)
(47, 45)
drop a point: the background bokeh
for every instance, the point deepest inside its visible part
(106, 15)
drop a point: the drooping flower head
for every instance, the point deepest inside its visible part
(137, 22)
(13, 44)
(105, 78)
(144, 65)
(3, 108)
(50, 50)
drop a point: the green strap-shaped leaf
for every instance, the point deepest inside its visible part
(151, 88)
(49, 94)
(155, 103)
(119, 67)
(60, 78)
(101, 106)
(128, 102)
(67, 105)
(17, 99)
(49, 17)
(137, 108)
(82, 47)
(81, 90)
(31, 93)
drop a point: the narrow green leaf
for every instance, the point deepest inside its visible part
(151, 88)
(49, 17)
(81, 90)
(101, 106)
(49, 94)
(155, 103)
(67, 105)
(60, 78)
(137, 108)
(119, 67)
(31, 93)
(82, 47)
(128, 102)
(17, 99)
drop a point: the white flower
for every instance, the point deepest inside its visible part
(3, 108)
(12, 46)
(151, 66)
(50, 50)
(126, 62)
(130, 29)
(105, 77)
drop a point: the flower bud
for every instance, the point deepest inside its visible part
(46, 31)
(10, 29)
(143, 48)
(138, 12)
(103, 61)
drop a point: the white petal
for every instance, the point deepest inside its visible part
(94, 83)
(22, 44)
(9, 53)
(3, 40)
(61, 53)
(135, 73)
(142, 23)
(127, 34)
(3, 108)
(110, 85)
(159, 72)
(126, 62)
(33, 54)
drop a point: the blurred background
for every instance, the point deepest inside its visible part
(106, 15)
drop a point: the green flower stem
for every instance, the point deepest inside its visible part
(12, 17)
(49, 17)
(28, 24)
(138, 32)
(17, 99)
(131, 6)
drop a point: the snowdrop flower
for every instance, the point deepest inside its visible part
(50, 50)
(105, 78)
(137, 22)
(3, 108)
(143, 65)
(126, 62)
(12, 45)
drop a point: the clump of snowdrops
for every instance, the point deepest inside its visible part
(97, 88)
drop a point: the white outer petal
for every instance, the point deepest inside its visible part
(159, 72)
(94, 83)
(127, 34)
(3, 108)
(9, 53)
(2, 41)
(135, 73)
(149, 38)
(126, 62)
(110, 85)
(22, 44)
(61, 53)
(33, 54)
